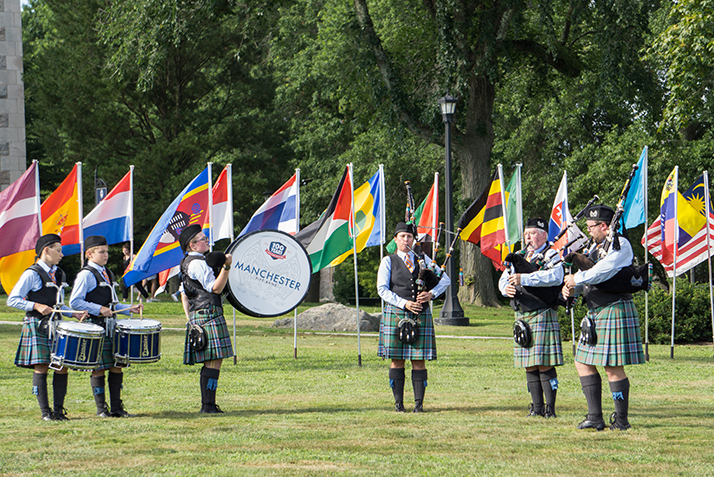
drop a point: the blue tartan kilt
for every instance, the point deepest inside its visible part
(33, 347)
(218, 338)
(424, 348)
(619, 342)
(546, 348)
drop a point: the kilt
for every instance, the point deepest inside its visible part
(619, 342)
(33, 347)
(218, 338)
(106, 358)
(424, 348)
(546, 348)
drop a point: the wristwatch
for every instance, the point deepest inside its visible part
(226, 267)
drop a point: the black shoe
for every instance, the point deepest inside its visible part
(47, 416)
(104, 412)
(121, 412)
(532, 412)
(618, 424)
(60, 415)
(399, 406)
(211, 409)
(588, 423)
(549, 411)
(418, 407)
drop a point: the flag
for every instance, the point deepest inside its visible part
(19, 208)
(368, 215)
(483, 223)
(278, 212)
(514, 208)
(161, 249)
(60, 214)
(112, 217)
(634, 209)
(329, 236)
(223, 205)
(691, 251)
(426, 216)
(560, 218)
(668, 215)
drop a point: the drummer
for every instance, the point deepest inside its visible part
(201, 297)
(37, 293)
(93, 291)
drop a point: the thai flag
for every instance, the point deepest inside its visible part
(279, 212)
(112, 217)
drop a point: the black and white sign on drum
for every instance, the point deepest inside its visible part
(270, 274)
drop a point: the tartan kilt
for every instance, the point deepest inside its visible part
(619, 342)
(33, 347)
(218, 338)
(106, 357)
(546, 348)
(424, 348)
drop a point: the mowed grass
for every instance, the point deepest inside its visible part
(323, 414)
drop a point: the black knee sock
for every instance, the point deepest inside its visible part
(536, 390)
(592, 388)
(396, 382)
(549, 383)
(97, 383)
(211, 385)
(204, 386)
(39, 388)
(59, 390)
(419, 384)
(115, 387)
(621, 396)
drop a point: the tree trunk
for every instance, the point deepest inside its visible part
(473, 149)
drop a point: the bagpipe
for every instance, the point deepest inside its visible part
(540, 261)
(630, 279)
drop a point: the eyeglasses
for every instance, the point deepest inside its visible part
(204, 239)
(590, 227)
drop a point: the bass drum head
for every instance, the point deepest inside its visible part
(270, 273)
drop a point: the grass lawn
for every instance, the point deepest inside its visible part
(322, 414)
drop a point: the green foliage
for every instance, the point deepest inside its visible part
(344, 277)
(692, 319)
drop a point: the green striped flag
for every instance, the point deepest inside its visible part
(514, 208)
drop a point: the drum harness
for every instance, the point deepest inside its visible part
(53, 320)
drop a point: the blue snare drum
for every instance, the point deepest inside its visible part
(77, 345)
(137, 341)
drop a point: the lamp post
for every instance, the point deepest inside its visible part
(451, 313)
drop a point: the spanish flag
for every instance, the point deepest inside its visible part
(61, 214)
(483, 223)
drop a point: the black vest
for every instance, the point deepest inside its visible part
(47, 295)
(198, 297)
(101, 294)
(595, 297)
(535, 298)
(403, 282)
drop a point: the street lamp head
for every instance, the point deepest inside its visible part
(448, 107)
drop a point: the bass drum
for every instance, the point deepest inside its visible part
(270, 273)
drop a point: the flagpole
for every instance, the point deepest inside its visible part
(38, 202)
(80, 213)
(354, 254)
(210, 206)
(297, 229)
(707, 208)
(647, 244)
(131, 226)
(383, 223)
(229, 191)
(676, 246)
(503, 206)
(519, 203)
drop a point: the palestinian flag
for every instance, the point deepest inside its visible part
(483, 222)
(329, 236)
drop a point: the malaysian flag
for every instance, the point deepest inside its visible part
(692, 248)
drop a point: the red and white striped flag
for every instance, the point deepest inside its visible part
(692, 249)
(19, 213)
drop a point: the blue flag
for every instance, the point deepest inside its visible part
(634, 214)
(161, 249)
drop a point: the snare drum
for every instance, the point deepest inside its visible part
(77, 345)
(137, 341)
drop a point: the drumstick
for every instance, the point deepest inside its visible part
(141, 309)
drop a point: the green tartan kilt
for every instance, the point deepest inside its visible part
(424, 348)
(619, 342)
(33, 347)
(546, 348)
(106, 357)
(218, 338)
